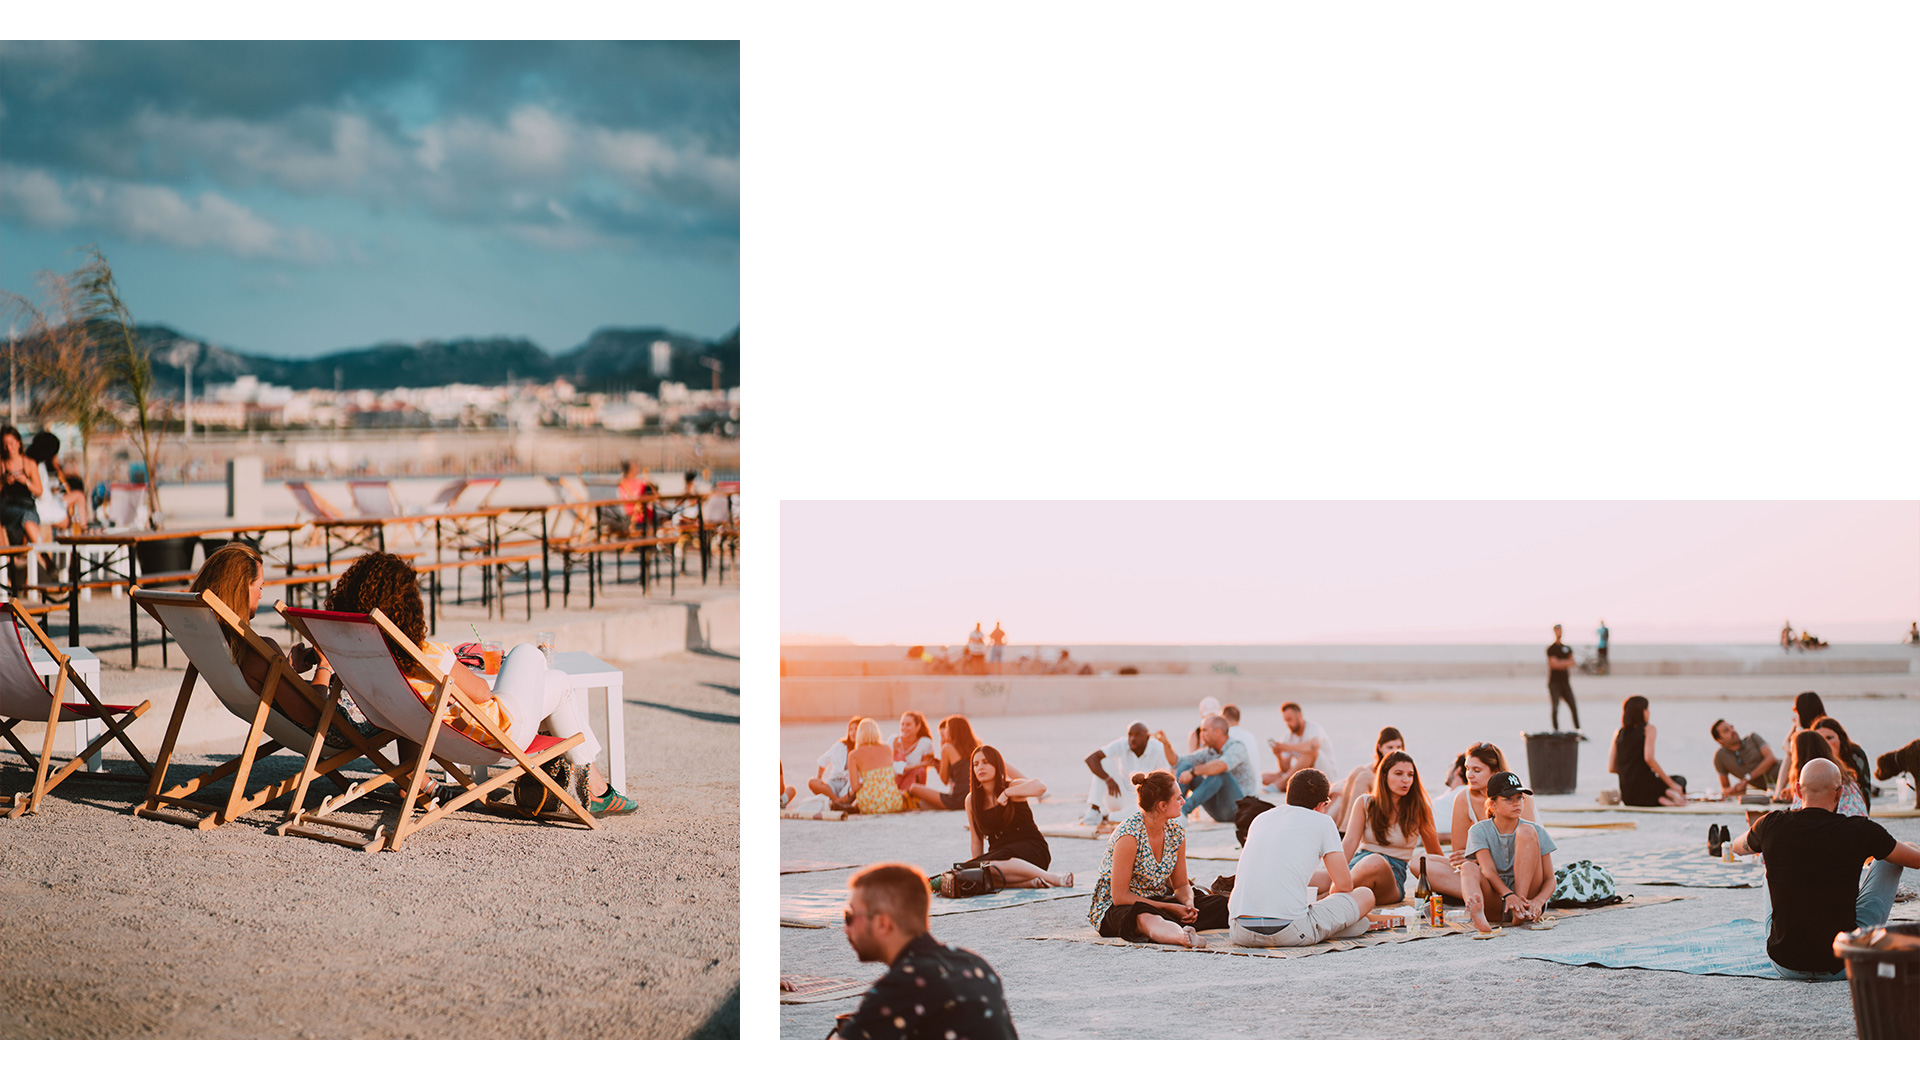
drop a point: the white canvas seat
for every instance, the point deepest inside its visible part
(199, 622)
(24, 696)
(356, 646)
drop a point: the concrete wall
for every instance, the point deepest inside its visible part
(826, 683)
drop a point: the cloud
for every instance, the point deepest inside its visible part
(150, 213)
(559, 144)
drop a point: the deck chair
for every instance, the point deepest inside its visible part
(377, 499)
(356, 646)
(198, 622)
(24, 697)
(319, 508)
(573, 521)
(462, 494)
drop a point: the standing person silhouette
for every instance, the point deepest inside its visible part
(976, 652)
(1559, 679)
(999, 640)
(1602, 635)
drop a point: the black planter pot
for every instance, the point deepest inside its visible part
(173, 556)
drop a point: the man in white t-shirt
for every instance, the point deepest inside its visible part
(1275, 901)
(1115, 762)
(1241, 735)
(1306, 746)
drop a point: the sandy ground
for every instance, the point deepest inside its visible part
(482, 927)
(1070, 990)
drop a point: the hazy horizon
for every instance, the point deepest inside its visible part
(1331, 573)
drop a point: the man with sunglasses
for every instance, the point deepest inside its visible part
(930, 990)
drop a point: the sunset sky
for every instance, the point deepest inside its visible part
(1165, 572)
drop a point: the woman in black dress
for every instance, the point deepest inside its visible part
(1642, 781)
(1004, 835)
(19, 487)
(957, 745)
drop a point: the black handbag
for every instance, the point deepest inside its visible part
(964, 881)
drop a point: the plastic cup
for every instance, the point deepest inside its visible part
(544, 639)
(490, 657)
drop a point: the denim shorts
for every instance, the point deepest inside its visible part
(1399, 866)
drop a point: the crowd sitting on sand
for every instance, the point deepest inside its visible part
(1321, 862)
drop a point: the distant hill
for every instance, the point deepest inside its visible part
(612, 359)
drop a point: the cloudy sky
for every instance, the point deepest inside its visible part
(294, 198)
(1295, 572)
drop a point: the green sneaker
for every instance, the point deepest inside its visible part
(611, 803)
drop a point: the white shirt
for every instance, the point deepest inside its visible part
(1284, 847)
(1256, 750)
(1311, 732)
(1121, 763)
(835, 762)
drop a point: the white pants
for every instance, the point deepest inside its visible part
(1338, 916)
(534, 698)
(1097, 795)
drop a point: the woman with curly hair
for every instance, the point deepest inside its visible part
(525, 696)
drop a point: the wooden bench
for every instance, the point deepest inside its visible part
(497, 564)
(591, 553)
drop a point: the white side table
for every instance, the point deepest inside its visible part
(605, 686)
(87, 666)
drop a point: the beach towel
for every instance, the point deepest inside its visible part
(819, 902)
(808, 989)
(1689, 867)
(818, 815)
(1217, 939)
(809, 866)
(1721, 809)
(1735, 948)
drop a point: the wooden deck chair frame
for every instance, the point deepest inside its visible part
(321, 511)
(25, 692)
(377, 499)
(177, 804)
(579, 521)
(446, 697)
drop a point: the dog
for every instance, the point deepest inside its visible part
(1904, 760)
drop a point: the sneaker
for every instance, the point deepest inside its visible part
(1093, 816)
(611, 803)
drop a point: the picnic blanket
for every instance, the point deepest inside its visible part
(809, 866)
(1720, 809)
(819, 904)
(1216, 940)
(817, 815)
(808, 989)
(1076, 831)
(1735, 948)
(1689, 867)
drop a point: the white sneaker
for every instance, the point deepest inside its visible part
(1093, 816)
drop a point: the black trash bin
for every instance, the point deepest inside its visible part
(1553, 761)
(1883, 971)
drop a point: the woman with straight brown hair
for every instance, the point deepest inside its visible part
(1004, 835)
(235, 575)
(1388, 826)
(957, 744)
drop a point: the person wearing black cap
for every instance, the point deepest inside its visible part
(1559, 681)
(1509, 860)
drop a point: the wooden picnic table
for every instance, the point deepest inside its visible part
(78, 568)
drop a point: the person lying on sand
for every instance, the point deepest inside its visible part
(1275, 901)
(930, 990)
(1122, 758)
(1814, 885)
(1509, 858)
(1143, 893)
